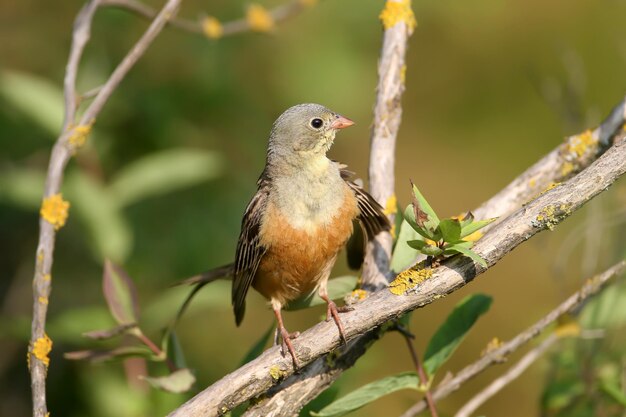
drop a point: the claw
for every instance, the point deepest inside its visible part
(332, 311)
(286, 339)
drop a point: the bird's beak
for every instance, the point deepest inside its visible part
(341, 123)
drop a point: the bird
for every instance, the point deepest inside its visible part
(303, 213)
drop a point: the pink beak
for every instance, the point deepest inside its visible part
(341, 123)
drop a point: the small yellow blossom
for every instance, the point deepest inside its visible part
(409, 279)
(396, 12)
(259, 18)
(392, 205)
(54, 210)
(473, 237)
(212, 28)
(79, 135)
(41, 349)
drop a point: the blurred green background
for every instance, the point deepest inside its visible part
(161, 186)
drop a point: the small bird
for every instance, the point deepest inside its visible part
(301, 216)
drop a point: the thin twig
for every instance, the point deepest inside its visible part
(421, 374)
(42, 280)
(545, 212)
(277, 14)
(61, 153)
(512, 374)
(589, 289)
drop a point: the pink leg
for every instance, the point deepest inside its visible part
(285, 335)
(333, 311)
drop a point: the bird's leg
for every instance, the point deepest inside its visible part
(332, 311)
(285, 335)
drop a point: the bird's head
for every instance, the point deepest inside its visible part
(307, 130)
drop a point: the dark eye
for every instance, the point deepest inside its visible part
(317, 123)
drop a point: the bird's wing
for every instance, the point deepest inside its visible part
(249, 249)
(371, 214)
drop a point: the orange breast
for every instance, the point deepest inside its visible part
(298, 259)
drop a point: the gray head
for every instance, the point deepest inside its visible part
(306, 130)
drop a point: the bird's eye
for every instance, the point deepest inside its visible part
(317, 123)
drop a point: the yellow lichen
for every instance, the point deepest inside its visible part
(259, 19)
(403, 74)
(43, 300)
(79, 135)
(276, 373)
(493, 344)
(392, 205)
(54, 210)
(409, 279)
(41, 349)
(396, 12)
(549, 187)
(579, 144)
(212, 28)
(567, 168)
(532, 182)
(552, 215)
(47, 277)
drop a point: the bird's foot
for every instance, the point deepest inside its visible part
(286, 344)
(332, 311)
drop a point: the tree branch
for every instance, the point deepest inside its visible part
(498, 355)
(508, 377)
(277, 15)
(387, 118)
(67, 144)
(545, 212)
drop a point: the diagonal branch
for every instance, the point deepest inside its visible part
(277, 15)
(54, 209)
(498, 355)
(545, 212)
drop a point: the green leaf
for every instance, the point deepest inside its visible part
(258, 346)
(409, 216)
(337, 288)
(403, 255)
(22, 187)
(607, 309)
(177, 382)
(451, 333)
(111, 236)
(470, 228)
(36, 97)
(163, 172)
(369, 393)
(614, 391)
(430, 250)
(175, 350)
(450, 230)
(460, 248)
(120, 294)
(422, 205)
(417, 244)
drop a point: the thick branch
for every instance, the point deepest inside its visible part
(61, 153)
(546, 211)
(591, 287)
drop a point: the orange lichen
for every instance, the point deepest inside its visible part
(409, 279)
(54, 210)
(212, 28)
(259, 19)
(41, 349)
(396, 12)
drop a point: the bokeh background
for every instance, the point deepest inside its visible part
(160, 188)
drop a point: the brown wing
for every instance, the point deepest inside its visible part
(249, 249)
(371, 215)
